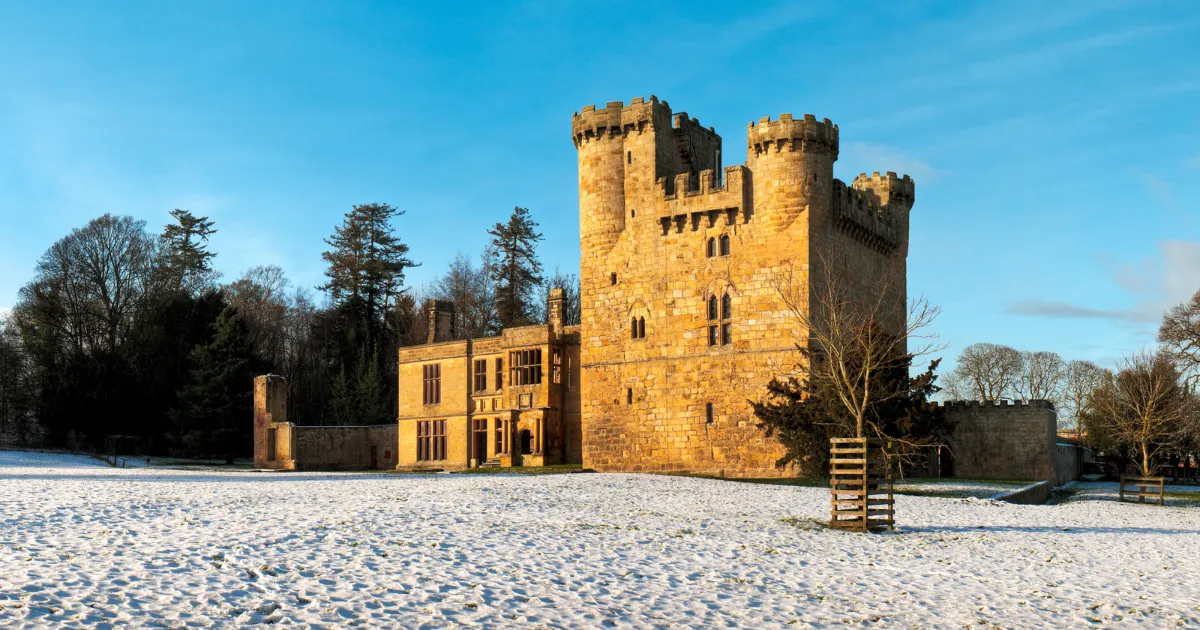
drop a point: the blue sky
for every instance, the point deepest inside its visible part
(1055, 145)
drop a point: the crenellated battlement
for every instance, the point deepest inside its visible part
(999, 404)
(790, 134)
(705, 200)
(888, 190)
(684, 123)
(859, 214)
(615, 117)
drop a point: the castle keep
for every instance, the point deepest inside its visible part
(682, 321)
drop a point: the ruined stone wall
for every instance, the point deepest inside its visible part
(344, 448)
(645, 221)
(1005, 441)
(270, 407)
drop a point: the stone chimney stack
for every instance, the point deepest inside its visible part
(556, 310)
(441, 320)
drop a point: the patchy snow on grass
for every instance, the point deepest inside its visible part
(100, 547)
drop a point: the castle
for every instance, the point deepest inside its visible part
(682, 321)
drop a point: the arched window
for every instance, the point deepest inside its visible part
(637, 328)
(712, 247)
(726, 307)
(724, 244)
(712, 308)
(641, 328)
(633, 328)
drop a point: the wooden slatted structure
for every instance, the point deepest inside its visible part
(860, 485)
(1151, 490)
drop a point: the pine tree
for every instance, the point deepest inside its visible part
(185, 259)
(367, 262)
(517, 272)
(358, 399)
(211, 415)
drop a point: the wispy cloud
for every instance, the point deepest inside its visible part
(1063, 309)
(873, 157)
(1159, 282)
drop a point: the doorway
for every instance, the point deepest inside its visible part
(526, 442)
(479, 440)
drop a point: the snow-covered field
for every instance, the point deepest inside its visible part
(82, 545)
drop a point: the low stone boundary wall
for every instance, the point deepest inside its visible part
(1033, 494)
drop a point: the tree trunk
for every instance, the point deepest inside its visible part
(1145, 459)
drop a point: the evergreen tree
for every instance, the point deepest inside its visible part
(517, 271)
(803, 414)
(367, 263)
(185, 263)
(211, 415)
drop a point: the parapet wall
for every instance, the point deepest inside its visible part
(791, 134)
(612, 120)
(888, 190)
(1005, 440)
(860, 215)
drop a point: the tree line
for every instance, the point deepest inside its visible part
(1145, 411)
(128, 334)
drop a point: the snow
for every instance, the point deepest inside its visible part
(96, 547)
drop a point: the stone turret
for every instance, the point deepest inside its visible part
(792, 161)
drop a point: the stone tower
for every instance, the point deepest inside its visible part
(681, 323)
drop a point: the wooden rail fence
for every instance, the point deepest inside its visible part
(1151, 490)
(860, 486)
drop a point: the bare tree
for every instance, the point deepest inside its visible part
(1180, 336)
(989, 371)
(261, 297)
(1080, 380)
(850, 332)
(1042, 376)
(1143, 406)
(472, 290)
(90, 283)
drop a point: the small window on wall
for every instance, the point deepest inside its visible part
(613, 278)
(711, 249)
(708, 413)
(432, 381)
(431, 440)
(720, 325)
(499, 374)
(481, 375)
(724, 244)
(628, 395)
(556, 366)
(637, 328)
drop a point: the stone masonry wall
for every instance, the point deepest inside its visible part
(344, 448)
(1005, 440)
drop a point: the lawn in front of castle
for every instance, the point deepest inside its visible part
(85, 545)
